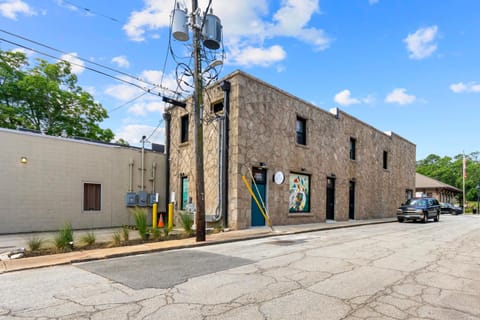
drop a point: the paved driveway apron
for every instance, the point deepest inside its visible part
(390, 271)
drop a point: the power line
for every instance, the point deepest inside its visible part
(84, 60)
(86, 67)
(89, 11)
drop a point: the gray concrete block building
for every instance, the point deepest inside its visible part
(306, 164)
(48, 181)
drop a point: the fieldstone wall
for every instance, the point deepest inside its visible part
(262, 129)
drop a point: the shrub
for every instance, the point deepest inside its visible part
(156, 233)
(187, 222)
(64, 238)
(88, 238)
(140, 216)
(117, 238)
(35, 243)
(166, 231)
(125, 233)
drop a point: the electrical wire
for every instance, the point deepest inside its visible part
(84, 60)
(86, 67)
(92, 12)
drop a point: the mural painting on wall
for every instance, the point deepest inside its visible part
(299, 200)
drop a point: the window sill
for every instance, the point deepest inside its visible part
(295, 215)
(304, 146)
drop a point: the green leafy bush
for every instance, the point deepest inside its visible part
(88, 238)
(187, 222)
(35, 243)
(117, 238)
(140, 216)
(64, 238)
(125, 233)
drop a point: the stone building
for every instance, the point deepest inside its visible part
(308, 165)
(48, 181)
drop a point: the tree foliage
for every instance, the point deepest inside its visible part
(450, 171)
(46, 97)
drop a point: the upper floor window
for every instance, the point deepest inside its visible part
(301, 130)
(184, 128)
(385, 160)
(353, 148)
(92, 197)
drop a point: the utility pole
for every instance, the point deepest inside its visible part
(206, 28)
(198, 127)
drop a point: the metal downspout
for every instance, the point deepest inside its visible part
(225, 85)
(167, 117)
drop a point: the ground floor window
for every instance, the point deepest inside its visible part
(299, 189)
(92, 197)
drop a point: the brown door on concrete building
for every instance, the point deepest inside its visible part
(351, 200)
(330, 198)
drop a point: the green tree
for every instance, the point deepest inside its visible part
(450, 170)
(47, 98)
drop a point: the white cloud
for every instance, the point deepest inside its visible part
(257, 56)
(11, 8)
(121, 61)
(400, 96)
(141, 109)
(373, 1)
(154, 16)
(421, 44)
(77, 65)
(292, 20)
(123, 92)
(344, 98)
(250, 23)
(462, 87)
(133, 133)
(140, 102)
(28, 53)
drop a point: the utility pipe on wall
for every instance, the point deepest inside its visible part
(130, 176)
(142, 187)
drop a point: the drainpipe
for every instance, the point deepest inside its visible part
(130, 175)
(225, 85)
(167, 117)
(154, 173)
(143, 163)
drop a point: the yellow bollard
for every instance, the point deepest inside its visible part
(154, 215)
(170, 216)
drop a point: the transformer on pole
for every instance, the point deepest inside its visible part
(208, 30)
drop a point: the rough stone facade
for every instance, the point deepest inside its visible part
(47, 190)
(262, 122)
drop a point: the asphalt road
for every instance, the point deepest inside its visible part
(387, 271)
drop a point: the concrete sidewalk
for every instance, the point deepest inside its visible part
(14, 241)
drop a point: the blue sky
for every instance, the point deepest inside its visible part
(407, 66)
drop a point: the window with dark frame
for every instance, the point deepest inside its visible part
(301, 130)
(184, 128)
(353, 146)
(92, 197)
(385, 160)
(217, 107)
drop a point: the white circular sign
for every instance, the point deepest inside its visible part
(278, 177)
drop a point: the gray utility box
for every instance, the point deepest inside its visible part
(131, 199)
(142, 198)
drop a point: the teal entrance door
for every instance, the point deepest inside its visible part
(259, 174)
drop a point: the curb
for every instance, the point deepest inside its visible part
(21, 264)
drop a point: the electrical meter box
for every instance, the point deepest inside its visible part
(131, 199)
(152, 198)
(142, 198)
